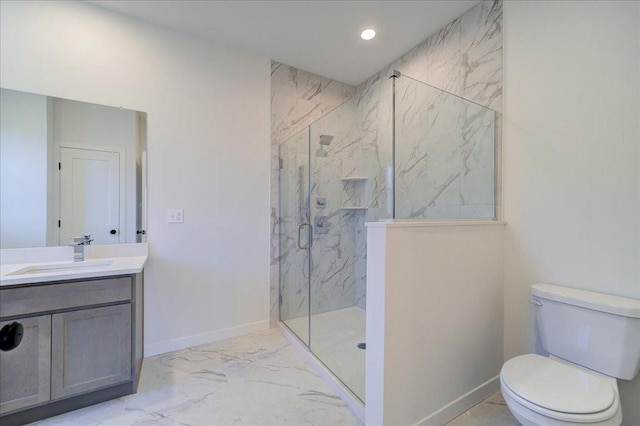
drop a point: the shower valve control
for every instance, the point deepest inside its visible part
(321, 225)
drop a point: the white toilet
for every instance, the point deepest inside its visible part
(592, 339)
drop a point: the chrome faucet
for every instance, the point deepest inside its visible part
(78, 246)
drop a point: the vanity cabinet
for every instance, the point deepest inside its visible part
(81, 344)
(25, 370)
(90, 349)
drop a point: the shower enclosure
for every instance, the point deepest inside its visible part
(399, 149)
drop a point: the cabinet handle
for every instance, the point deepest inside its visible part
(11, 336)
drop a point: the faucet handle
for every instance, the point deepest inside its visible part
(82, 240)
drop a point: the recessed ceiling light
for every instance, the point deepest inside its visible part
(368, 34)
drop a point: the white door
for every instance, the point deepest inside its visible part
(89, 195)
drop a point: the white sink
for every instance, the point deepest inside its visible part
(61, 267)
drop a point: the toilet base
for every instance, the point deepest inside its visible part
(528, 417)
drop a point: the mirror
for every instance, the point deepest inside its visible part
(70, 168)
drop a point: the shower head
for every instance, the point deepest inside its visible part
(325, 139)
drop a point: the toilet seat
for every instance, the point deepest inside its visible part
(559, 390)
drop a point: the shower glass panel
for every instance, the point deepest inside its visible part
(338, 209)
(350, 153)
(295, 234)
(399, 149)
(334, 175)
(444, 154)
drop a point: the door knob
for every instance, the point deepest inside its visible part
(143, 232)
(11, 336)
(113, 232)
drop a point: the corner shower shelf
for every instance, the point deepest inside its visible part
(355, 178)
(353, 208)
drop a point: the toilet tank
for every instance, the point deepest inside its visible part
(595, 330)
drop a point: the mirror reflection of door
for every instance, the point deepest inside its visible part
(90, 193)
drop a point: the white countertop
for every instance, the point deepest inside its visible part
(99, 263)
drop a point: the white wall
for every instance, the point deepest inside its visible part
(23, 170)
(434, 319)
(208, 143)
(572, 157)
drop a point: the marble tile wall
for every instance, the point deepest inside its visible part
(337, 194)
(465, 59)
(293, 190)
(298, 98)
(448, 175)
(349, 185)
(335, 271)
(444, 154)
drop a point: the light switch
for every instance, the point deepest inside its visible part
(174, 216)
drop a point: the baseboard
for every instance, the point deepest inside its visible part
(462, 404)
(204, 338)
(355, 405)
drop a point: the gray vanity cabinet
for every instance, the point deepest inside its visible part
(24, 371)
(81, 344)
(91, 349)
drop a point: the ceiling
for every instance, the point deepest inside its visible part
(322, 37)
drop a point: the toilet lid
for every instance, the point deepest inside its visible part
(556, 386)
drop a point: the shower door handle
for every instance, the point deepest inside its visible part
(300, 246)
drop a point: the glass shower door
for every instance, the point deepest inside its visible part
(339, 203)
(295, 233)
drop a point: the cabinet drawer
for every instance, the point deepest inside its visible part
(51, 297)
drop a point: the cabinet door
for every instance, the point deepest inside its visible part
(90, 349)
(25, 370)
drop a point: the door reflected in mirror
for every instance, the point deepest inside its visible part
(70, 168)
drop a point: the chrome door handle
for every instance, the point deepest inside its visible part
(306, 247)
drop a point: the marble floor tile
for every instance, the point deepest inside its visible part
(335, 336)
(256, 379)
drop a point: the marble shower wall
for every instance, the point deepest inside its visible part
(294, 209)
(349, 185)
(444, 154)
(335, 201)
(339, 192)
(464, 58)
(449, 176)
(298, 98)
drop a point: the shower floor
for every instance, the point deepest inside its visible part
(334, 340)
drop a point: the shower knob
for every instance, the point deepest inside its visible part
(11, 336)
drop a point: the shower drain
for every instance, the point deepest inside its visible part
(362, 346)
